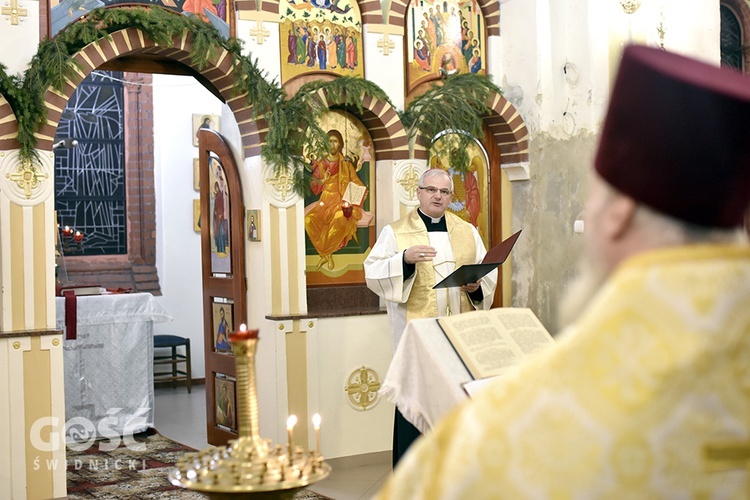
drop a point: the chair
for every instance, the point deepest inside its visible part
(175, 374)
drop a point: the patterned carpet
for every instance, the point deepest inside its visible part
(124, 473)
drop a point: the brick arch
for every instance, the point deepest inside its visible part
(506, 127)
(219, 72)
(384, 125)
(509, 130)
(396, 15)
(8, 127)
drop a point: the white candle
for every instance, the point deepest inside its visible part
(290, 423)
(316, 426)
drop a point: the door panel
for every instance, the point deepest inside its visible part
(224, 283)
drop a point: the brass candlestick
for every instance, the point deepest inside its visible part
(249, 465)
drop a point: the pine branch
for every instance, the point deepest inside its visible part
(457, 103)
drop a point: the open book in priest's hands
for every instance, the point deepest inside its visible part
(489, 343)
(471, 273)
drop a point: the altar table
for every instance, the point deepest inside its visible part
(426, 375)
(109, 366)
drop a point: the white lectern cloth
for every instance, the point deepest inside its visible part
(425, 376)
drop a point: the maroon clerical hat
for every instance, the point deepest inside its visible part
(677, 137)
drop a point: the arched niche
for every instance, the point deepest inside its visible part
(389, 143)
(396, 14)
(127, 44)
(130, 49)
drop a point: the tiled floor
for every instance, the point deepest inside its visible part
(182, 417)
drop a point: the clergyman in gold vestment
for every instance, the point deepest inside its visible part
(647, 391)
(411, 255)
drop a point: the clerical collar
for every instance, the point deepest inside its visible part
(431, 223)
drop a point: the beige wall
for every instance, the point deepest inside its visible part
(545, 207)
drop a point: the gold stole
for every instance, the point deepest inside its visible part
(411, 231)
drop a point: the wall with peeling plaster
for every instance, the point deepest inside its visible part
(545, 207)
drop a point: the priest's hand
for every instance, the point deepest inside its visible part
(471, 287)
(419, 253)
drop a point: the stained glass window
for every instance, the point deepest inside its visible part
(90, 165)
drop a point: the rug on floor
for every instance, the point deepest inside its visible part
(126, 473)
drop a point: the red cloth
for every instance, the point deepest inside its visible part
(71, 314)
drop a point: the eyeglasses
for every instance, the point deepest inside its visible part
(433, 190)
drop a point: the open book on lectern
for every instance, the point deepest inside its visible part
(471, 273)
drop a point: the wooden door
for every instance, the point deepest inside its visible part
(224, 284)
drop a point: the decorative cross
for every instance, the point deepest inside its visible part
(14, 11)
(27, 177)
(283, 183)
(410, 182)
(386, 45)
(362, 388)
(259, 32)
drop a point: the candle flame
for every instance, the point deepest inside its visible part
(291, 422)
(316, 421)
(243, 327)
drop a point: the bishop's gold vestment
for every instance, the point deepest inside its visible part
(655, 370)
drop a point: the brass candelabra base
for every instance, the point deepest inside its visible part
(249, 467)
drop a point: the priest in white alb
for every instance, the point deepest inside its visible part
(414, 253)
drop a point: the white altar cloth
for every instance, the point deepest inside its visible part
(109, 378)
(426, 375)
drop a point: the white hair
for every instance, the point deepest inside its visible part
(432, 172)
(666, 230)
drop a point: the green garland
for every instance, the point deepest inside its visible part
(458, 103)
(293, 122)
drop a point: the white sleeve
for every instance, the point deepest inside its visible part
(384, 269)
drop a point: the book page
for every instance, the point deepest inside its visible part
(491, 342)
(525, 329)
(354, 194)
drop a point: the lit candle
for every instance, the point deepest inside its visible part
(316, 426)
(243, 334)
(67, 231)
(290, 423)
(78, 237)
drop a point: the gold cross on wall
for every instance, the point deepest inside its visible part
(362, 387)
(14, 11)
(410, 181)
(28, 177)
(386, 45)
(283, 183)
(259, 33)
